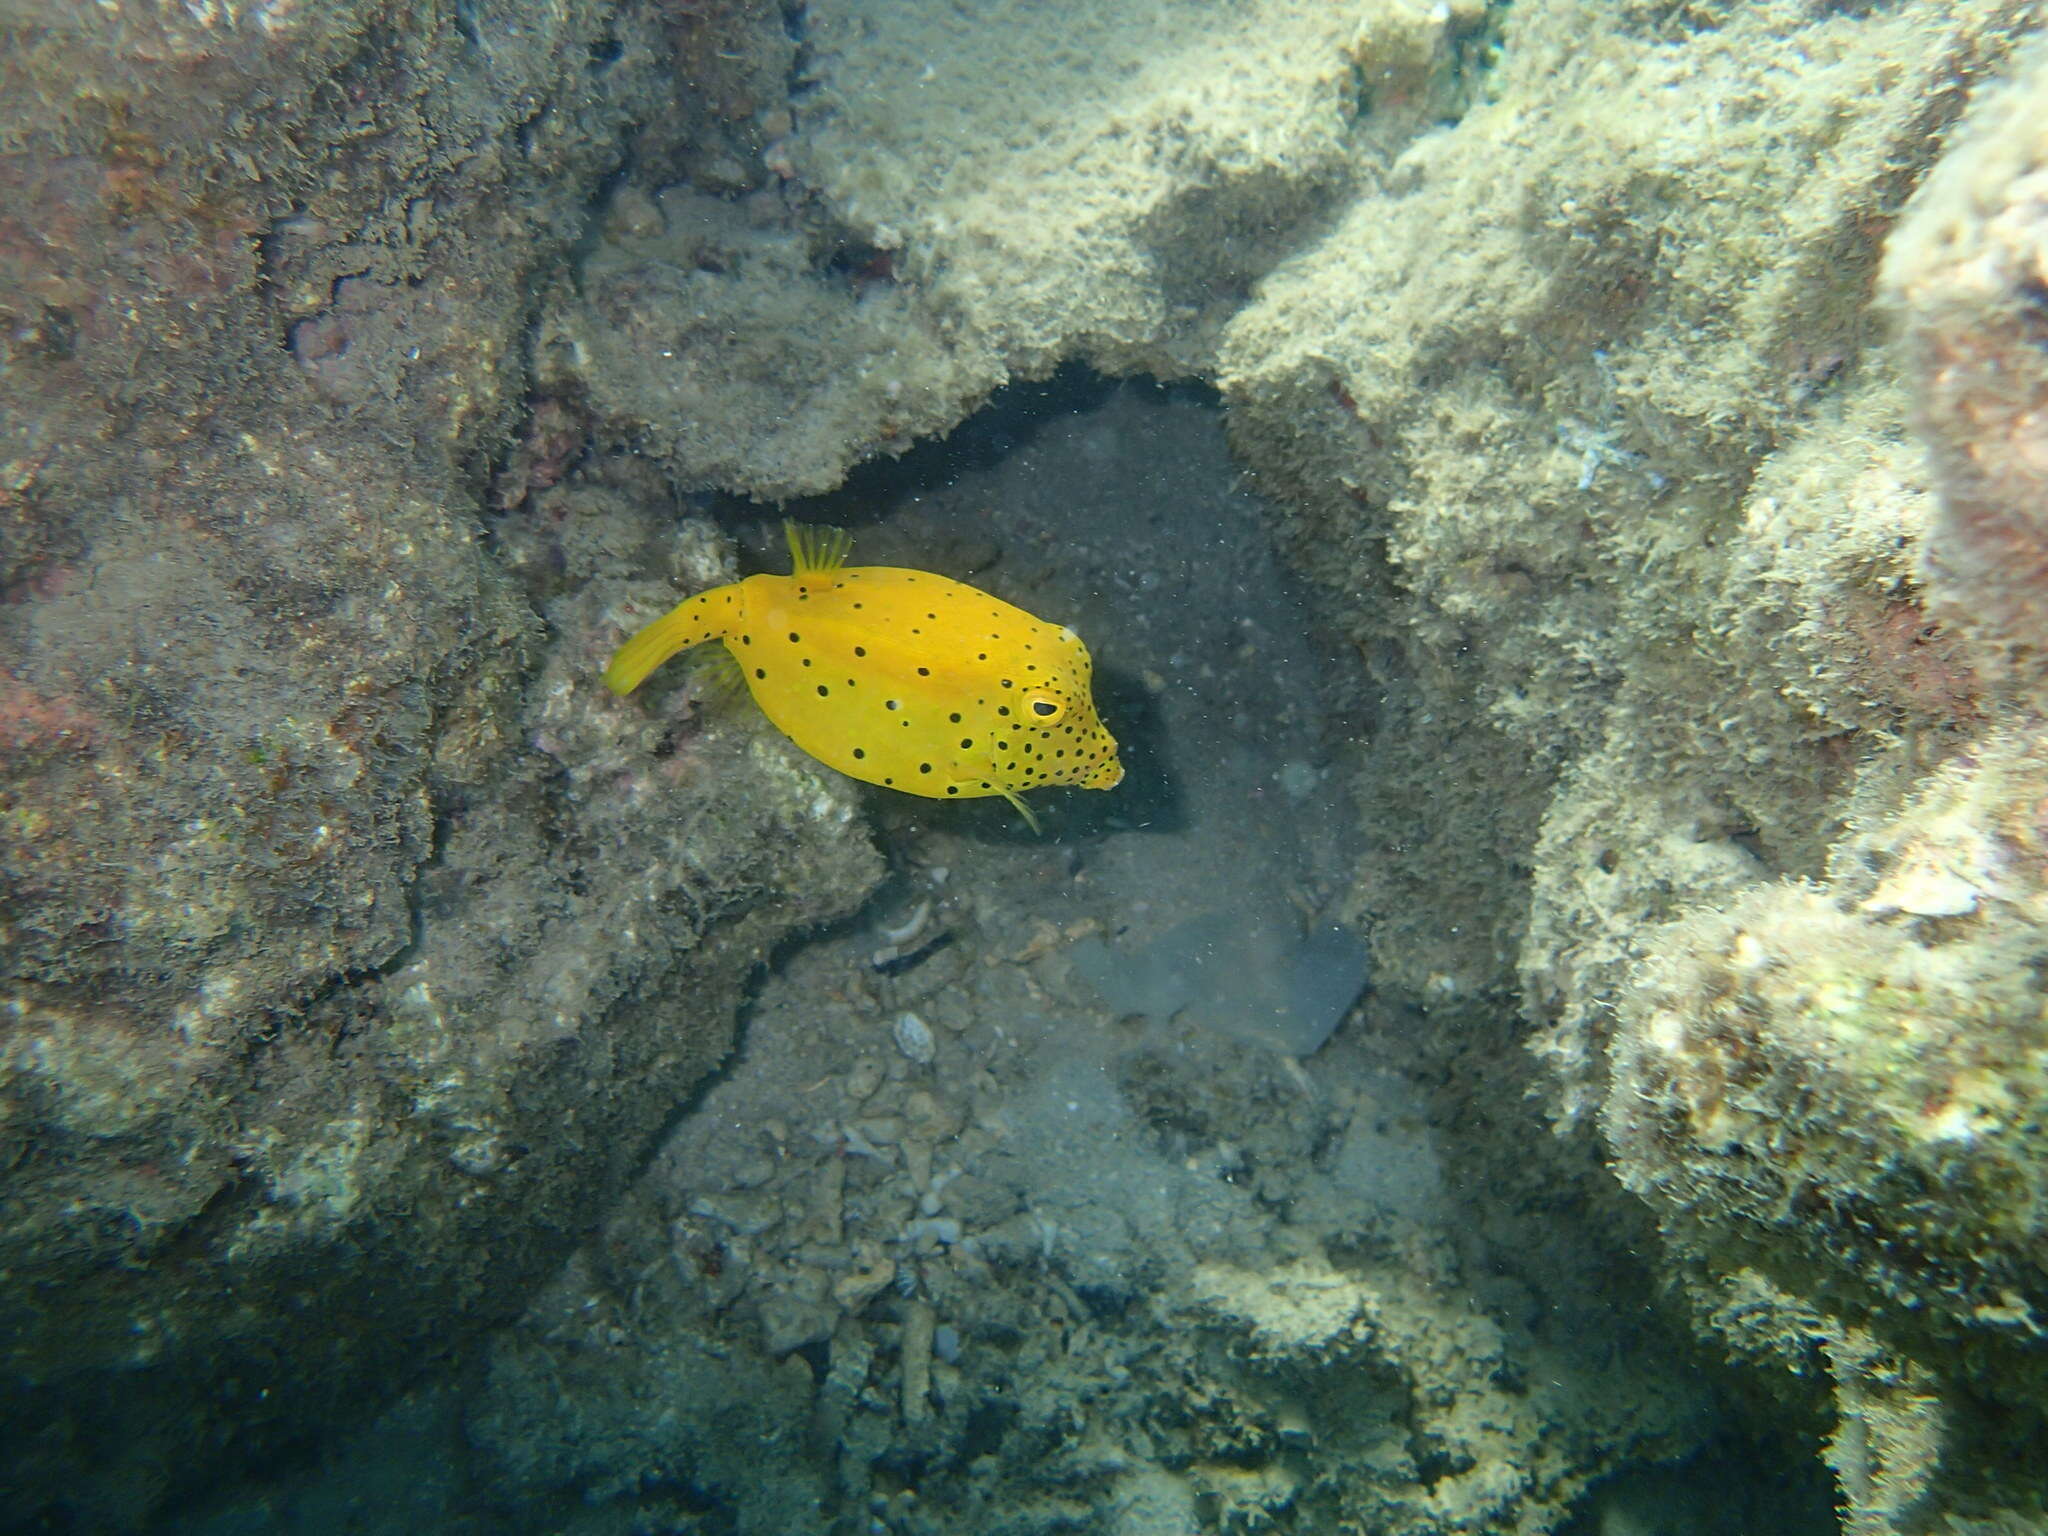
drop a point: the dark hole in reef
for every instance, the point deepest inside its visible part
(817, 1355)
(1013, 419)
(985, 1429)
(1733, 1486)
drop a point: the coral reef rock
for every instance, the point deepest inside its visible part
(350, 948)
(1968, 271)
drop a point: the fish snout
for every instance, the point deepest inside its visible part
(1108, 776)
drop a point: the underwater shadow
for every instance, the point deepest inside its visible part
(1011, 419)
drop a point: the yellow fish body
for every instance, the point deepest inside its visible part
(901, 678)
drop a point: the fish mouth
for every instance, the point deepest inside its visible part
(1108, 776)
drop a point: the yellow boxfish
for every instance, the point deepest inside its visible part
(900, 678)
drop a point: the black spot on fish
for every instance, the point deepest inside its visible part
(860, 751)
(860, 650)
(823, 691)
(924, 767)
(794, 637)
(923, 671)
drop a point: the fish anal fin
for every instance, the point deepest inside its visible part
(814, 551)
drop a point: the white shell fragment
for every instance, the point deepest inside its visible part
(1922, 888)
(914, 1038)
(1943, 866)
(910, 927)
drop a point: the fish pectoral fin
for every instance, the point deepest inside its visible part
(1017, 801)
(716, 672)
(814, 551)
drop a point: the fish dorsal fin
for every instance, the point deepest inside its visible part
(814, 551)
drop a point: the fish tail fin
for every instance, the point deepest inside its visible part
(1017, 802)
(814, 551)
(690, 622)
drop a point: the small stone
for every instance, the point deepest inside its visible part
(881, 1130)
(914, 1038)
(789, 1323)
(929, 1118)
(632, 215)
(916, 1356)
(917, 1162)
(864, 1079)
(872, 1273)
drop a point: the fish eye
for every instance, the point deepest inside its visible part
(1046, 709)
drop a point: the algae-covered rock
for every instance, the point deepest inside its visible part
(351, 944)
(1837, 1083)
(1586, 411)
(1967, 272)
(1830, 1091)
(924, 233)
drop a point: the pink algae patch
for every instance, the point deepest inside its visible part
(39, 725)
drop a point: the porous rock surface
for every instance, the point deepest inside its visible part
(353, 941)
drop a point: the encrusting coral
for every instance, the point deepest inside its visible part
(1830, 1090)
(1968, 272)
